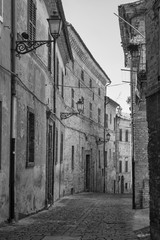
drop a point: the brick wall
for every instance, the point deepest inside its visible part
(153, 113)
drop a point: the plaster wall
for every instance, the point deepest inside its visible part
(5, 99)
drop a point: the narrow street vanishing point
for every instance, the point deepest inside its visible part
(82, 216)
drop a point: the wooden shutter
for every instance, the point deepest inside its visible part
(32, 19)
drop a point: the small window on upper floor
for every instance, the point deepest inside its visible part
(99, 91)
(32, 19)
(90, 83)
(82, 75)
(1, 10)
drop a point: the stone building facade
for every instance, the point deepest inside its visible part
(5, 106)
(31, 131)
(153, 111)
(110, 146)
(133, 43)
(123, 149)
(83, 155)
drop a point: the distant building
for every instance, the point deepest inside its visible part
(83, 155)
(123, 146)
(110, 147)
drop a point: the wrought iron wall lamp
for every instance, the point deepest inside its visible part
(26, 45)
(80, 108)
(99, 141)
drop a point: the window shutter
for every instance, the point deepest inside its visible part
(32, 20)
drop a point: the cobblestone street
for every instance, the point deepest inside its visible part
(82, 216)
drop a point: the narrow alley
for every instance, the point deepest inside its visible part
(83, 216)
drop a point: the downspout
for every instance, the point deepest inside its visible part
(12, 117)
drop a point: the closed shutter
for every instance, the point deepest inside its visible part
(32, 20)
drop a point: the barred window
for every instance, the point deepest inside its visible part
(30, 137)
(32, 19)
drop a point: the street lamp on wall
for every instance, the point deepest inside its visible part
(107, 139)
(80, 109)
(26, 45)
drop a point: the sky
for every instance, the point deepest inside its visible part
(95, 22)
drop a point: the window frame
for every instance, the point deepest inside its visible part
(32, 23)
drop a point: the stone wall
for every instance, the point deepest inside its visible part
(153, 113)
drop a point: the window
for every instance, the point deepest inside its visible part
(120, 166)
(126, 166)
(93, 96)
(99, 91)
(61, 151)
(1, 10)
(72, 98)
(56, 147)
(110, 154)
(126, 186)
(90, 83)
(110, 118)
(126, 136)
(82, 75)
(30, 137)
(79, 83)
(90, 110)
(99, 159)
(72, 160)
(49, 54)
(114, 124)
(120, 134)
(62, 87)
(106, 122)
(57, 73)
(99, 115)
(82, 157)
(32, 19)
(0, 132)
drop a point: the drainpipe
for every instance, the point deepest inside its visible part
(12, 117)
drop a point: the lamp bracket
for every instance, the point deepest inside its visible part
(68, 115)
(23, 47)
